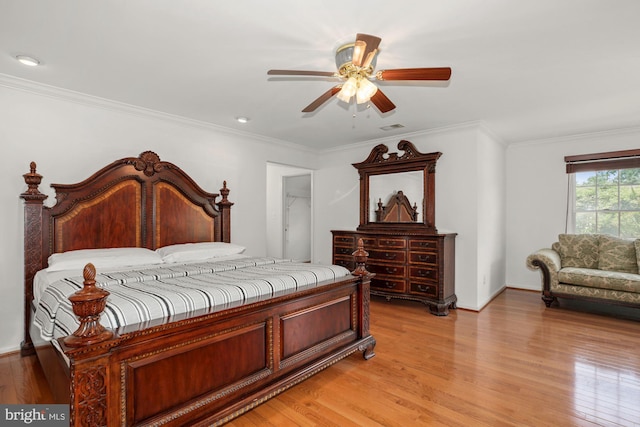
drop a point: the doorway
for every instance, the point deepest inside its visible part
(296, 195)
(289, 212)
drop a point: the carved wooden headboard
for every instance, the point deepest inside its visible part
(132, 202)
(398, 209)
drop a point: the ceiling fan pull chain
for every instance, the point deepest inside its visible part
(353, 115)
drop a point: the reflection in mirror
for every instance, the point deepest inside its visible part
(384, 187)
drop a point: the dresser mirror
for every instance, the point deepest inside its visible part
(384, 188)
(384, 174)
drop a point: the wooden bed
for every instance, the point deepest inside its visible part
(201, 369)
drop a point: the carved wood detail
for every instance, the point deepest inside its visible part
(88, 304)
(398, 209)
(33, 242)
(380, 162)
(360, 257)
(90, 397)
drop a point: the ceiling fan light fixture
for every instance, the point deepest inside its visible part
(342, 97)
(349, 88)
(366, 90)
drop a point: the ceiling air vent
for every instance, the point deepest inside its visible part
(391, 127)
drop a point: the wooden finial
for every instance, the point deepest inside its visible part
(360, 256)
(88, 303)
(33, 180)
(224, 191)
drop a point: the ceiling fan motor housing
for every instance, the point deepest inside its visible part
(344, 57)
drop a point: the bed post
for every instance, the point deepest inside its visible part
(89, 365)
(33, 206)
(224, 206)
(88, 303)
(360, 258)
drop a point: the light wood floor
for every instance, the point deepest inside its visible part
(516, 363)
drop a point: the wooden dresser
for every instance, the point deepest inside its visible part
(419, 267)
(410, 259)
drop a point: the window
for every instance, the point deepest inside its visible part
(608, 202)
(604, 193)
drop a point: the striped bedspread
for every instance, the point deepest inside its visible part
(171, 289)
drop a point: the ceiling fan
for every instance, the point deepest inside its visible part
(355, 63)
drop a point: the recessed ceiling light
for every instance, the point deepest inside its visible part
(242, 119)
(28, 60)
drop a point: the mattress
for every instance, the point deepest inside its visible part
(155, 292)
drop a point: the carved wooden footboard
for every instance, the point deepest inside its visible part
(207, 369)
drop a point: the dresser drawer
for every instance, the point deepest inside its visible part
(387, 270)
(387, 255)
(368, 242)
(347, 263)
(430, 289)
(389, 285)
(344, 240)
(423, 258)
(418, 244)
(391, 242)
(343, 250)
(423, 273)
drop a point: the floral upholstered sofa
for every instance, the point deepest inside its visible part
(595, 267)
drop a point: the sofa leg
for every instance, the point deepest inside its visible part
(548, 300)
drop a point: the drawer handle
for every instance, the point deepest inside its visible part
(389, 285)
(424, 257)
(387, 255)
(390, 270)
(424, 273)
(424, 244)
(423, 288)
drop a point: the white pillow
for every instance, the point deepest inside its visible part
(103, 258)
(187, 252)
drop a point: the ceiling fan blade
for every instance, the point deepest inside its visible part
(322, 99)
(301, 73)
(443, 73)
(365, 50)
(381, 101)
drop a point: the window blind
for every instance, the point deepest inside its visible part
(603, 161)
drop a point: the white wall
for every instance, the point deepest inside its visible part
(491, 217)
(537, 192)
(71, 136)
(469, 177)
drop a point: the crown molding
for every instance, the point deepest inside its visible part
(80, 98)
(477, 125)
(579, 136)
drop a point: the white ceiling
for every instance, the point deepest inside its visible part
(528, 69)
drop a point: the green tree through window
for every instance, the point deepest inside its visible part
(608, 201)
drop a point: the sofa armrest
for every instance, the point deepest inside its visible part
(548, 262)
(546, 256)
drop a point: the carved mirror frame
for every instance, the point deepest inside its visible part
(381, 163)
